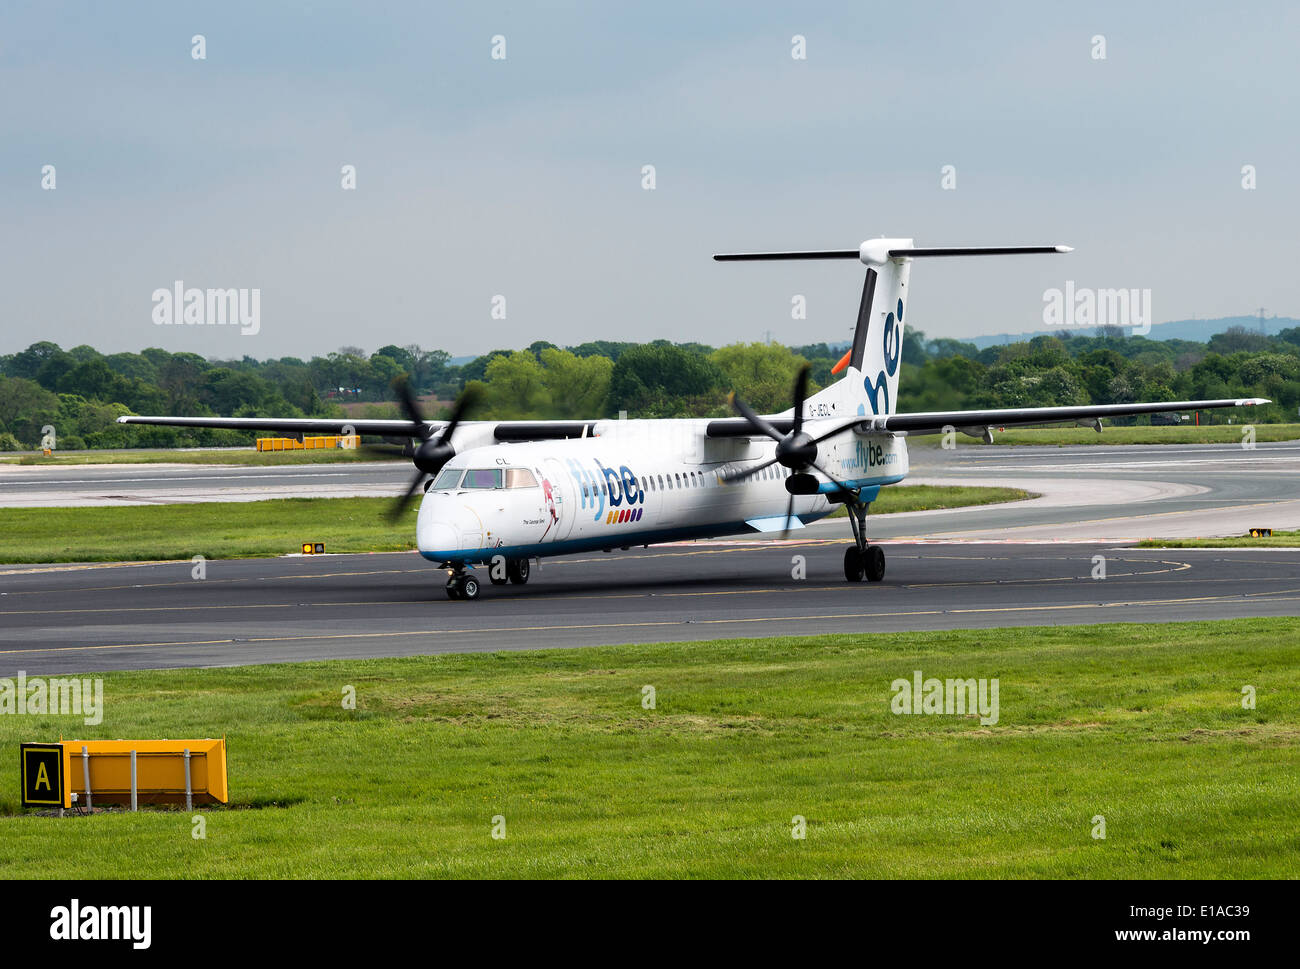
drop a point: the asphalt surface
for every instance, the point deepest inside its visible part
(59, 619)
(1026, 563)
(33, 486)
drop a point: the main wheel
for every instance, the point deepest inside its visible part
(517, 570)
(875, 563)
(854, 566)
(469, 587)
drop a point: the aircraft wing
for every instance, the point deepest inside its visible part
(975, 421)
(293, 426)
(1013, 416)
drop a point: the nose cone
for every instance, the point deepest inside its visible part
(437, 536)
(447, 527)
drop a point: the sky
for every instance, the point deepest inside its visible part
(478, 177)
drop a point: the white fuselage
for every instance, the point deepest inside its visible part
(634, 483)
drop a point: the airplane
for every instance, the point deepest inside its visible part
(504, 493)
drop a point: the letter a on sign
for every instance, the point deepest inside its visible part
(42, 775)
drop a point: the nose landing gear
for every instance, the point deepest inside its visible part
(462, 585)
(860, 559)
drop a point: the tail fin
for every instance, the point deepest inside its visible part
(875, 357)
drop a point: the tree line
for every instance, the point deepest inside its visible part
(81, 392)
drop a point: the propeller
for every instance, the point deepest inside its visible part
(796, 450)
(432, 452)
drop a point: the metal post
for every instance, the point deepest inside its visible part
(85, 772)
(189, 799)
(133, 804)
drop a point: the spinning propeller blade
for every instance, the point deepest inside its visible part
(796, 450)
(433, 452)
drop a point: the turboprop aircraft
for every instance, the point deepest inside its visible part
(503, 493)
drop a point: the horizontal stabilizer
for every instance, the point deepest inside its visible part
(876, 251)
(923, 253)
(761, 256)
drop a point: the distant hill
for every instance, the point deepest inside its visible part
(1198, 330)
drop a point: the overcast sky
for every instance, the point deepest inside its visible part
(523, 177)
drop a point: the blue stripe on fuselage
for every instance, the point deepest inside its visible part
(611, 540)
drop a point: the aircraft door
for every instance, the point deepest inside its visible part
(560, 503)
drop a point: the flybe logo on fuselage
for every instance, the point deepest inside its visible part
(619, 487)
(870, 456)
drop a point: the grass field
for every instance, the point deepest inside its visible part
(1215, 434)
(281, 525)
(897, 498)
(1140, 724)
(197, 456)
(1276, 540)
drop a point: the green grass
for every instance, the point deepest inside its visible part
(1214, 434)
(278, 526)
(896, 498)
(1142, 724)
(1276, 540)
(211, 529)
(208, 456)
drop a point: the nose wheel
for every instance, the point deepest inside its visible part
(861, 560)
(462, 585)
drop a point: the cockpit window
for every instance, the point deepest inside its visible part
(520, 478)
(482, 478)
(449, 478)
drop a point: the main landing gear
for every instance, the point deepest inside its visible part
(514, 570)
(860, 559)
